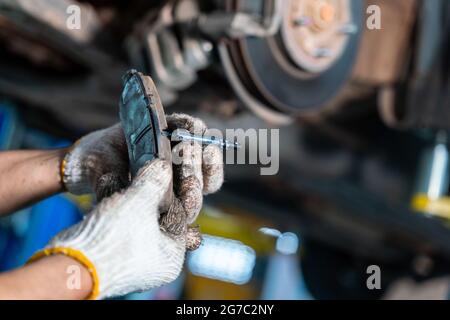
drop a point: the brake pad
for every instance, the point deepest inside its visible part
(143, 122)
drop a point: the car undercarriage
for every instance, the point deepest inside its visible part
(363, 113)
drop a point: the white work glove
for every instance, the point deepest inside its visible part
(125, 242)
(97, 163)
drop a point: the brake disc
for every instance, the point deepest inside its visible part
(303, 66)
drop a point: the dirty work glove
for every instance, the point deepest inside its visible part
(200, 172)
(121, 242)
(97, 163)
(125, 242)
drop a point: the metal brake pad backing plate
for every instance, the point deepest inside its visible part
(143, 122)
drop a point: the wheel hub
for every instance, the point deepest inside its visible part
(315, 32)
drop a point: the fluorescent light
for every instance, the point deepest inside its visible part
(223, 259)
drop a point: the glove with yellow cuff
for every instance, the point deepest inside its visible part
(124, 242)
(97, 163)
(121, 242)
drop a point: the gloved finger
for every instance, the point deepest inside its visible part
(108, 184)
(118, 136)
(193, 238)
(98, 163)
(108, 176)
(212, 169)
(174, 220)
(188, 178)
(153, 180)
(183, 121)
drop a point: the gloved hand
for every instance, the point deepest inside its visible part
(200, 171)
(125, 242)
(97, 163)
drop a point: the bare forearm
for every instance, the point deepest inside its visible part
(56, 277)
(28, 176)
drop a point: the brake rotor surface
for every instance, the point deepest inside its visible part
(307, 62)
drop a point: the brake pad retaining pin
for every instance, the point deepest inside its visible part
(182, 135)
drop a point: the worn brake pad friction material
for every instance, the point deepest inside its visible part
(143, 122)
